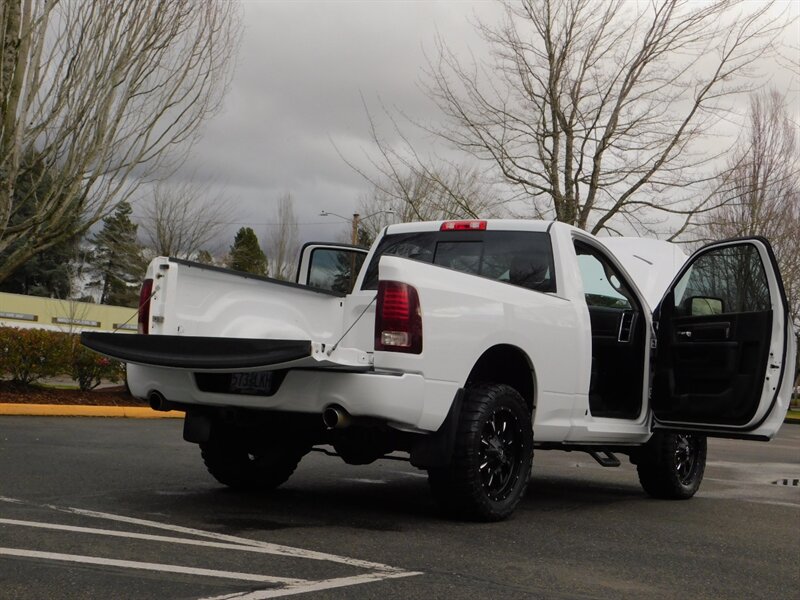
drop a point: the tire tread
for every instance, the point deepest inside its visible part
(457, 488)
(656, 471)
(229, 465)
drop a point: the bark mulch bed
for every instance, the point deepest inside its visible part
(14, 393)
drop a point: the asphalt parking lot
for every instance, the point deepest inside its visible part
(119, 508)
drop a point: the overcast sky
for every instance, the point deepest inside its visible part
(302, 70)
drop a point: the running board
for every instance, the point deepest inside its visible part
(605, 458)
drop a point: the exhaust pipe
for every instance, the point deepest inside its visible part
(335, 417)
(157, 401)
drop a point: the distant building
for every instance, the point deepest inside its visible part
(71, 316)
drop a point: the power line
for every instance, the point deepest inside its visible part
(268, 223)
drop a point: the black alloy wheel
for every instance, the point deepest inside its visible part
(501, 453)
(685, 456)
(488, 474)
(671, 465)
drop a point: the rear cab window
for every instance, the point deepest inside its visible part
(521, 258)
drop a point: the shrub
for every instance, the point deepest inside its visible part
(27, 355)
(89, 368)
(30, 354)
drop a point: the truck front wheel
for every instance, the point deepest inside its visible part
(491, 463)
(254, 468)
(671, 465)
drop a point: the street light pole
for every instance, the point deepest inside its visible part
(355, 222)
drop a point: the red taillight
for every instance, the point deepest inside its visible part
(144, 306)
(398, 319)
(463, 226)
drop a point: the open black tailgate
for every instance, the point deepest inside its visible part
(201, 353)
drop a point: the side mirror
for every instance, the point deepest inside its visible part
(701, 305)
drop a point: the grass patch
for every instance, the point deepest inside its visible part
(55, 386)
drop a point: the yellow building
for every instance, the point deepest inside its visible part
(21, 311)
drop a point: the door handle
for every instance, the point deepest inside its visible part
(686, 334)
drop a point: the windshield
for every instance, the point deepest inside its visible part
(522, 258)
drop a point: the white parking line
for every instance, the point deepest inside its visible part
(357, 480)
(288, 586)
(411, 474)
(139, 536)
(145, 566)
(312, 586)
(267, 546)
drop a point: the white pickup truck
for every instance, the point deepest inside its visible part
(467, 344)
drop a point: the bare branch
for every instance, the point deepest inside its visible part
(101, 97)
(761, 188)
(182, 219)
(593, 112)
(282, 245)
(417, 188)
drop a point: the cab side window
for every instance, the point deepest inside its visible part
(724, 280)
(602, 286)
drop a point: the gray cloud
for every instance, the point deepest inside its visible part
(302, 71)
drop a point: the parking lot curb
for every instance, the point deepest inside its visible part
(71, 410)
(127, 412)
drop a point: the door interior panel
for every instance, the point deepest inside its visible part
(605, 321)
(710, 368)
(703, 331)
(617, 364)
(717, 326)
(618, 337)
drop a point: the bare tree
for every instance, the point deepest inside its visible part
(591, 110)
(96, 98)
(183, 219)
(762, 189)
(282, 243)
(405, 186)
(762, 186)
(425, 195)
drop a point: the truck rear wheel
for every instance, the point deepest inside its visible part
(491, 463)
(256, 468)
(672, 465)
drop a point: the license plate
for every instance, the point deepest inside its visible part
(257, 383)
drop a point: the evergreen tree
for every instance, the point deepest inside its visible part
(365, 238)
(116, 263)
(49, 273)
(246, 254)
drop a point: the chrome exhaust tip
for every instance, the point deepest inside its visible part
(157, 401)
(335, 417)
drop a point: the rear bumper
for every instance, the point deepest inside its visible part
(406, 401)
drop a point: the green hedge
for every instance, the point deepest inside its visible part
(28, 355)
